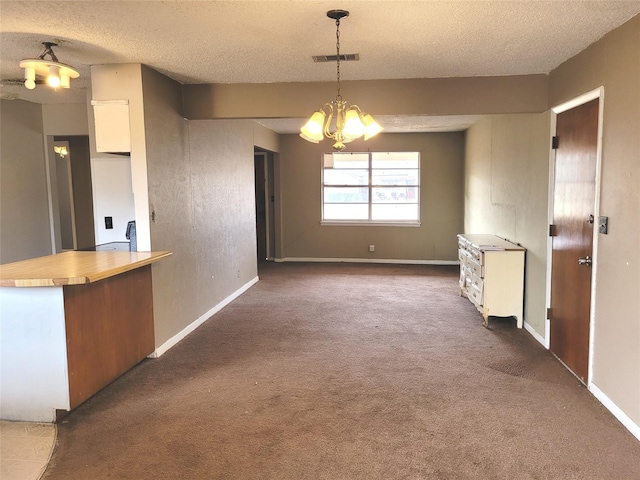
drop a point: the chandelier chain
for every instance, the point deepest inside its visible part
(338, 96)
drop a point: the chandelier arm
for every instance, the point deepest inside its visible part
(328, 119)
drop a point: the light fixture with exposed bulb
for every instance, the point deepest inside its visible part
(57, 74)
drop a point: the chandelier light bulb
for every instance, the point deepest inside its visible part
(30, 78)
(53, 80)
(372, 127)
(312, 130)
(65, 81)
(353, 126)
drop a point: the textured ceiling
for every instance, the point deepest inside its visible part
(238, 41)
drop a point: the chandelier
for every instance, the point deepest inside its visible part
(57, 74)
(351, 122)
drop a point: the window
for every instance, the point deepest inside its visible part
(371, 187)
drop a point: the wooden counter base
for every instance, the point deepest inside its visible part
(71, 323)
(109, 326)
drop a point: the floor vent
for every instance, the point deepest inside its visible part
(349, 57)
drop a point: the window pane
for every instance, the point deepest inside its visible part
(381, 211)
(371, 186)
(395, 195)
(395, 159)
(346, 195)
(346, 177)
(395, 177)
(353, 211)
(346, 160)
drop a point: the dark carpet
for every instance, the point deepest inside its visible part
(347, 371)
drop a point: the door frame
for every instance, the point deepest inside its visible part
(597, 93)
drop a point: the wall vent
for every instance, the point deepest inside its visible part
(349, 57)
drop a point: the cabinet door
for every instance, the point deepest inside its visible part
(113, 132)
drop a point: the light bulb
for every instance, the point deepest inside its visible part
(30, 78)
(353, 127)
(65, 81)
(372, 128)
(53, 80)
(312, 130)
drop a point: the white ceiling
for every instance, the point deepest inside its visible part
(264, 41)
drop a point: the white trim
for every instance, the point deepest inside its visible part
(162, 349)
(617, 412)
(582, 99)
(596, 235)
(368, 260)
(536, 335)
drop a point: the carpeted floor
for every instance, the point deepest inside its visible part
(347, 371)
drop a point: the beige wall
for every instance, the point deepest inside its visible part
(201, 196)
(24, 207)
(65, 119)
(614, 63)
(426, 96)
(442, 157)
(506, 194)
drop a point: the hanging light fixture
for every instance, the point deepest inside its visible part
(57, 74)
(351, 122)
(61, 150)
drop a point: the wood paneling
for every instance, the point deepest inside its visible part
(109, 326)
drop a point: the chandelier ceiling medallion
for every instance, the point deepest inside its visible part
(350, 121)
(56, 74)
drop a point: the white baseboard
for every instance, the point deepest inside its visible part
(536, 335)
(596, 392)
(368, 260)
(629, 424)
(191, 327)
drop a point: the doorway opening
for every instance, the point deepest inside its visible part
(265, 205)
(71, 195)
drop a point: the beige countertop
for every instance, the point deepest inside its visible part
(73, 268)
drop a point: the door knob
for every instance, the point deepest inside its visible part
(585, 261)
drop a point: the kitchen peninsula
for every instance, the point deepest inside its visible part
(70, 324)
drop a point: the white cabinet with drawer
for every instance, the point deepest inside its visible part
(492, 275)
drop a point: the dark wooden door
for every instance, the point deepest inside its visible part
(572, 245)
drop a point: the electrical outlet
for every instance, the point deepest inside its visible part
(108, 223)
(372, 248)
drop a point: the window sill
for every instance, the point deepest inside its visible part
(352, 223)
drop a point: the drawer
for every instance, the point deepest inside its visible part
(475, 268)
(475, 296)
(475, 291)
(476, 283)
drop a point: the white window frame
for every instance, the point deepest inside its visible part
(369, 222)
